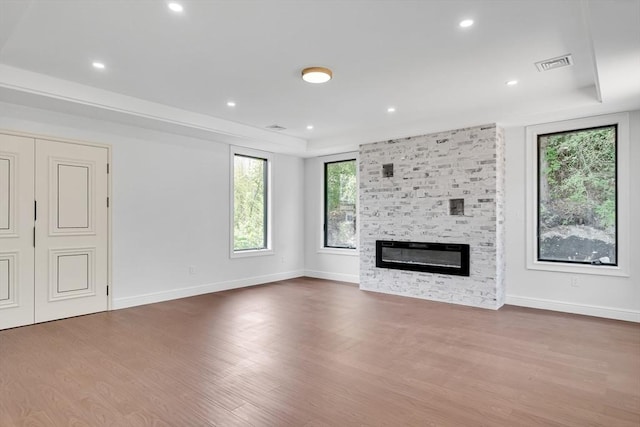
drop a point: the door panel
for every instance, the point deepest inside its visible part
(6, 282)
(73, 196)
(72, 273)
(71, 230)
(5, 192)
(16, 231)
(71, 191)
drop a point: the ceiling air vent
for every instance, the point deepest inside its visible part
(559, 62)
(276, 127)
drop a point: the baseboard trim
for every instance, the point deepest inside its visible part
(565, 307)
(172, 294)
(539, 303)
(339, 277)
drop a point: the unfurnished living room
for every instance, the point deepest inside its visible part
(319, 213)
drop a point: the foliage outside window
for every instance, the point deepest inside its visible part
(249, 203)
(340, 186)
(577, 197)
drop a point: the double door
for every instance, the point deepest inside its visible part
(53, 230)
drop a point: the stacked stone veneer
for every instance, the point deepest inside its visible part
(413, 205)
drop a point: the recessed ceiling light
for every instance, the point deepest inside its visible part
(309, 127)
(466, 23)
(512, 82)
(391, 110)
(316, 74)
(231, 104)
(176, 7)
(97, 64)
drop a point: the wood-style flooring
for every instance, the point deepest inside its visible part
(309, 352)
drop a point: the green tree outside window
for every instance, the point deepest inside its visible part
(340, 204)
(577, 219)
(249, 203)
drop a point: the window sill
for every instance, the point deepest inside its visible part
(251, 253)
(595, 270)
(338, 251)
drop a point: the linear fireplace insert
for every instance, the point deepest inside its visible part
(444, 258)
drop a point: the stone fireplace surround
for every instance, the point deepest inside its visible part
(414, 205)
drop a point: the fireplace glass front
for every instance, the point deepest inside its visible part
(442, 258)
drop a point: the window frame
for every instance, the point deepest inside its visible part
(268, 214)
(621, 121)
(322, 222)
(538, 177)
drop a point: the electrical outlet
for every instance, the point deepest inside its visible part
(575, 282)
(192, 270)
(282, 259)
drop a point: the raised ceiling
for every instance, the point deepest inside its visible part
(178, 71)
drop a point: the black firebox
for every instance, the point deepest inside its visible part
(443, 258)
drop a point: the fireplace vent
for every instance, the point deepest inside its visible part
(443, 258)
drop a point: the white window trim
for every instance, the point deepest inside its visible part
(233, 150)
(339, 251)
(623, 178)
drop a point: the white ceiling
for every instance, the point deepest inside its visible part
(177, 71)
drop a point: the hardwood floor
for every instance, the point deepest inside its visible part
(308, 352)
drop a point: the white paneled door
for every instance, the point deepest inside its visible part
(71, 230)
(57, 265)
(16, 231)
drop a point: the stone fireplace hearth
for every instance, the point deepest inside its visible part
(445, 187)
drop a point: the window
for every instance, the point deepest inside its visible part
(250, 202)
(578, 196)
(340, 194)
(577, 200)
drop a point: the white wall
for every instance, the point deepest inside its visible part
(323, 263)
(159, 229)
(170, 204)
(615, 297)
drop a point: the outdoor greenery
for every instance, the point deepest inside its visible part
(580, 173)
(577, 183)
(340, 194)
(249, 205)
